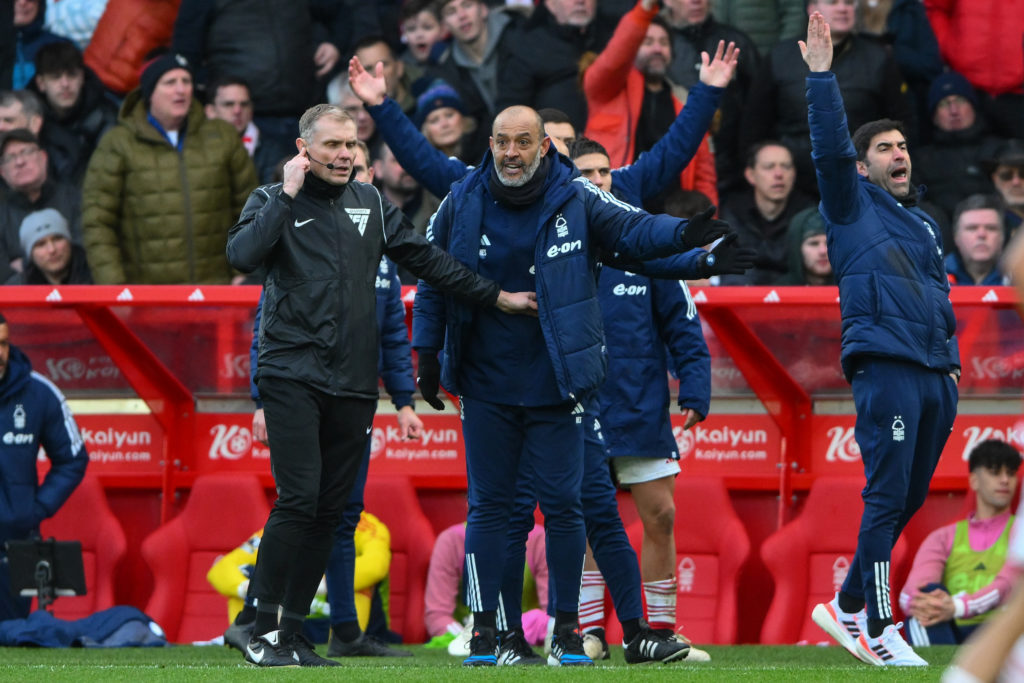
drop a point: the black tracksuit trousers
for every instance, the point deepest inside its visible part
(316, 445)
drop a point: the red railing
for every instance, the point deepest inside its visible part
(781, 412)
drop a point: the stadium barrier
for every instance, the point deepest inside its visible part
(158, 380)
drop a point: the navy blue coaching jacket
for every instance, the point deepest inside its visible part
(577, 225)
(33, 413)
(887, 257)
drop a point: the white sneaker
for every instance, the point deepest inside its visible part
(889, 649)
(460, 646)
(594, 644)
(696, 654)
(844, 627)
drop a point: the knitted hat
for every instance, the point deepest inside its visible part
(950, 83)
(155, 69)
(437, 96)
(40, 224)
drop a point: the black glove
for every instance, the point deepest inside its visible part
(428, 377)
(727, 258)
(703, 229)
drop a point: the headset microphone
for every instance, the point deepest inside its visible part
(330, 167)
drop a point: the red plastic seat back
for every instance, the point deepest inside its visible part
(393, 500)
(222, 511)
(86, 517)
(810, 557)
(711, 547)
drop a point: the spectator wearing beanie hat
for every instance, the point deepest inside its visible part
(952, 102)
(440, 116)
(164, 186)
(50, 257)
(30, 187)
(950, 166)
(806, 251)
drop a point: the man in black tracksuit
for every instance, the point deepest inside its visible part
(319, 238)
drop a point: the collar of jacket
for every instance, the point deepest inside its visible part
(699, 30)
(319, 188)
(134, 115)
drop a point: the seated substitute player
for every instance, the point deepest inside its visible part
(960, 576)
(33, 414)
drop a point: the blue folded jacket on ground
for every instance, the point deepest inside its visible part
(120, 626)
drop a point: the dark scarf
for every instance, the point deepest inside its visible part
(321, 189)
(524, 195)
(912, 197)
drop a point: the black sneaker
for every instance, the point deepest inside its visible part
(483, 647)
(268, 650)
(567, 648)
(651, 645)
(305, 652)
(595, 645)
(513, 650)
(238, 636)
(363, 646)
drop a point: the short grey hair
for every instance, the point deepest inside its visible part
(30, 103)
(308, 121)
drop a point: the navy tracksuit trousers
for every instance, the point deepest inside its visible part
(613, 553)
(904, 415)
(341, 565)
(550, 439)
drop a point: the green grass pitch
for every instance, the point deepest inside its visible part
(763, 664)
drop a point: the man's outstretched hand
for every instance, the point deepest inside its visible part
(728, 258)
(370, 88)
(817, 51)
(718, 71)
(703, 229)
(524, 303)
(428, 378)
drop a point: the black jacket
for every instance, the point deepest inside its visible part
(269, 43)
(82, 127)
(544, 68)
(951, 167)
(768, 238)
(321, 255)
(64, 197)
(687, 44)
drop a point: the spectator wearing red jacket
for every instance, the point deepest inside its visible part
(629, 120)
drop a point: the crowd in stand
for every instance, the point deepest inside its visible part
(119, 164)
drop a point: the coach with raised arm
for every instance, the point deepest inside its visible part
(899, 349)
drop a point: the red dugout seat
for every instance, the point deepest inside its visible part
(711, 547)
(393, 500)
(222, 511)
(86, 517)
(810, 557)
